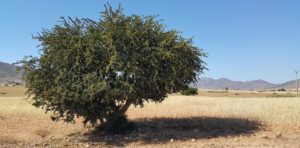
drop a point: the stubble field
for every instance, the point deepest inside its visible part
(210, 119)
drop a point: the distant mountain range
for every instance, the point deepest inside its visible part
(209, 83)
(8, 75)
(288, 85)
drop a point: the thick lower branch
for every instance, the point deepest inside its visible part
(125, 107)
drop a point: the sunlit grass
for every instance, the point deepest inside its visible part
(270, 111)
(20, 121)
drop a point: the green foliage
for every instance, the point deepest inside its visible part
(97, 69)
(189, 91)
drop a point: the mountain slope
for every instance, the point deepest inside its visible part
(288, 85)
(209, 83)
(8, 74)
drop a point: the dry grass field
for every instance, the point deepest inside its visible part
(210, 119)
(17, 91)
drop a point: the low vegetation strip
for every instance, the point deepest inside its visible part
(275, 95)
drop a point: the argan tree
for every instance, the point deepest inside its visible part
(98, 69)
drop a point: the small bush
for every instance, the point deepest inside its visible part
(281, 89)
(189, 91)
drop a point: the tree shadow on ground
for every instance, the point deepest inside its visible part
(161, 130)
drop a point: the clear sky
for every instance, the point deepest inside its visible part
(245, 39)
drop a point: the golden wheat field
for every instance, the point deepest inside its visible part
(210, 119)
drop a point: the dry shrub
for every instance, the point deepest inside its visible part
(42, 133)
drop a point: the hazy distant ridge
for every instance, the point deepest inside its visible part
(209, 83)
(8, 74)
(288, 85)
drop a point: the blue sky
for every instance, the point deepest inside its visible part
(245, 39)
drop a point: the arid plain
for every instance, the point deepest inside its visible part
(210, 119)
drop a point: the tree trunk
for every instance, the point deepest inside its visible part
(116, 121)
(125, 107)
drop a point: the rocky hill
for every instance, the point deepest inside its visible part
(209, 83)
(288, 85)
(9, 75)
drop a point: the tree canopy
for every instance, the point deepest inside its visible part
(97, 69)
